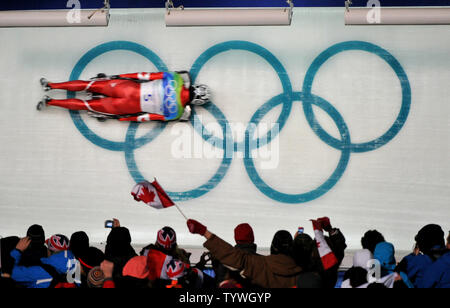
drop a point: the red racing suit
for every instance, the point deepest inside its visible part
(158, 96)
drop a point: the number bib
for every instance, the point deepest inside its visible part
(152, 97)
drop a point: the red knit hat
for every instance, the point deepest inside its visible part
(243, 234)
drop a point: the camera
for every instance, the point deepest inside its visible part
(109, 224)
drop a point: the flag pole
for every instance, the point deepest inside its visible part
(181, 212)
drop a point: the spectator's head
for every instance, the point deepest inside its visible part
(91, 258)
(302, 251)
(95, 278)
(281, 243)
(37, 235)
(166, 239)
(36, 250)
(118, 243)
(243, 234)
(429, 238)
(370, 240)
(57, 243)
(7, 244)
(79, 243)
(385, 254)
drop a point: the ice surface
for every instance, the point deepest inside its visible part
(53, 175)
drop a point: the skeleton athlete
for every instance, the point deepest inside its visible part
(140, 97)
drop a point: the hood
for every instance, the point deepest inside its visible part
(118, 243)
(385, 253)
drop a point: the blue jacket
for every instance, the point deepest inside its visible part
(385, 254)
(438, 274)
(36, 276)
(416, 267)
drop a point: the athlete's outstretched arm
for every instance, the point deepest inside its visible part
(143, 76)
(145, 118)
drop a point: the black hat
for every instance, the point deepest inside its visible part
(79, 243)
(429, 237)
(281, 243)
(36, 234)
(91, 258)
(118, 243)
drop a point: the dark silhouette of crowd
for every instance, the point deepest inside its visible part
(296, 260)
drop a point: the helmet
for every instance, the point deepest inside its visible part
(201, 94)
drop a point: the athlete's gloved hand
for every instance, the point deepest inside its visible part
(195, 227)
(325, 223)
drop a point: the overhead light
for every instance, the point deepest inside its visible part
(177, 17)
(56, 18)
(377, 15)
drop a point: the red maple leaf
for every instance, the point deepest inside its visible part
(146, 196)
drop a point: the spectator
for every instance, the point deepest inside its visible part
(7, 244)
(166, 242)
(31, 276)
(91, 258)
(161, 253)
(429, 247)
(60, 262)
(79, 243)
(48, 272)
(36, 249)
(371, 239)
(385, 254)
(307, 257)
(277, 270)
(438, 274)
(118, 249)
(430, 241)
(337, 245)
(245, 240)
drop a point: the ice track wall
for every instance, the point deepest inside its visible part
(362, 112)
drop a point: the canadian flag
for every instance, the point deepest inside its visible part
(326, 254)
(152, 194)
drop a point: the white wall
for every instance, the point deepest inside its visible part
(52, 175)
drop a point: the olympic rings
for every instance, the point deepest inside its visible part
(286, 98)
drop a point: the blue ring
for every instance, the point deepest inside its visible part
(395, 65)
(329, 183)
(194, 193)
(266, 55)
(78, 69)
